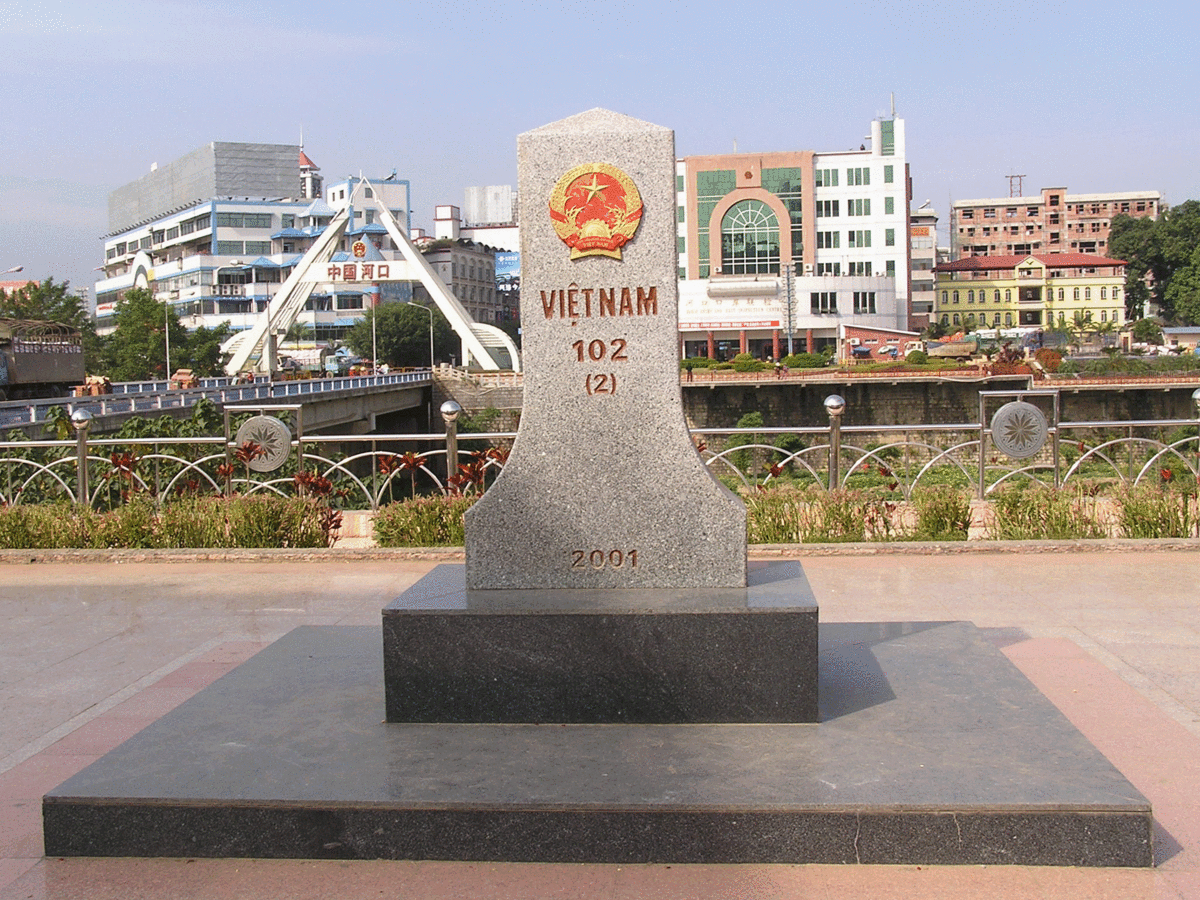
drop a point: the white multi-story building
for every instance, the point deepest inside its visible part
(216, 233)
(778, 250)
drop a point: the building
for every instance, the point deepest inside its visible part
(217, 232)
(469, 268)
(1055, 222)
(1036, 291)
(777, 250)
(922, 242)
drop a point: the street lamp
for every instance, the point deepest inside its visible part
(429, 310)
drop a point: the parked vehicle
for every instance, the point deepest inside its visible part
(38, 359)
(960, 347)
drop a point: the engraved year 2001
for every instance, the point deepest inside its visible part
(604, 559)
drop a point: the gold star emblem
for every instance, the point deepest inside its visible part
(593, 189)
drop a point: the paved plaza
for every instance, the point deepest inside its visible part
(92, 650)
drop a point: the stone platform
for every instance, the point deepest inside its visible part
(932, 749)
(648, 656)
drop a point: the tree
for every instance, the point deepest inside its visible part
(1147, 331)
(402, 335)
(52, 301)
(1159, 249)
(1183, 293)
(137, 347)
(202, 352)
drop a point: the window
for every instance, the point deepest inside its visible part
(1031, 211)
(890, 266)
(887, 174)
(864, 303)
(970, 296)
(945, 319)
(860, 207)
(749, 239)
(859, 176)
(1087, 293)
(968, 214)
(823, 302)
(1008, 295)
(829, 268)
(826, 177)
(1076, 294)
(996, 298)
(828, 240)
(1104, 315)
(858, 268)
(889, 205)
(955, 295)
(944, 297)
(258, 248)
(288, 220)
(1104, 293)
(828, 208)
(889, 237)
(173, 233)
(989, 213)
(1116, 293)
(681, 214)
(858, 238)
(1008, 318)
(230, 248)
(957, 320)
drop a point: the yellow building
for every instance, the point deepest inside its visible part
(1040, 290)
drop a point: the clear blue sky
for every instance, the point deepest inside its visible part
(1099, 96)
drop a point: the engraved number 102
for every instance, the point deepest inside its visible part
(598, 350)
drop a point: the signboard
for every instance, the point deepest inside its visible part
(730, 323)
(353, 272)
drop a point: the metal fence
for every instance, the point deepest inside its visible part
(367, 471)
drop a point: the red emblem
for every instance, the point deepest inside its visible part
(595, 208)
(358, 249)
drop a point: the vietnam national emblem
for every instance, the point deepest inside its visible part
(596, 209)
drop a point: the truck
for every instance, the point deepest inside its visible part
(958, 346)
(39, 359)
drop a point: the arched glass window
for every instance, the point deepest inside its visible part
(971, 318)
(1008, 295)
(945, 297)
(1008, 318)
(1060, 294)
(956, 322)
(749, 239)
(1103, 293)
(996, 298)
(945, 319)
(956, 296)
(997, 320)
(970, 296)
(1104, 315)
(1087, 293)
(1116, 293)
(1076, 297)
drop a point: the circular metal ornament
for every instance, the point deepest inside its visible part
(272, 436)
(1019, 429)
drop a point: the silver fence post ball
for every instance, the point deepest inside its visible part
(450, 411)
(1196, 399)
(82, 420)
(835, 405)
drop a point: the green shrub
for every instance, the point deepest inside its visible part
(696, 362)
(208, 522)
(786, 515)
(435, 521)
(940, 514)
(744, 362)
(1043, 514)
(1147, 512)
(805, 361)
(917, 358)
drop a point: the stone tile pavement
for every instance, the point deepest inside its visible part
(94, 648)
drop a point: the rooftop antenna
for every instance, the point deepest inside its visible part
(1016, 185)
(893, 96)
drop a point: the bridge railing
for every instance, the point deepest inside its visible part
(365, 471)
(155, 396)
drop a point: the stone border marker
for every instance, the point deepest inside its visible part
(604, 488)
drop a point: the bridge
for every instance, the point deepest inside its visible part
(328, 402)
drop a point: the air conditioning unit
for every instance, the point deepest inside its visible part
(854, 342)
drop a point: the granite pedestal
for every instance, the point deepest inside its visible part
(931, 749)
(602, 656)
